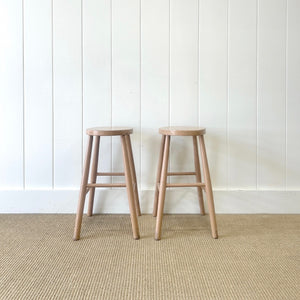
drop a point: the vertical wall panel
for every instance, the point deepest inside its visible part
(11, 94)
(126, 75)
(154, 84)
(97, 73)
(214, 85)
(293, 95)
(271, 93)
(67, 93)
(183, 62)
(242, 94)
(183, 79)
(38, 93)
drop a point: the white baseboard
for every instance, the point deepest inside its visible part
(177, 201)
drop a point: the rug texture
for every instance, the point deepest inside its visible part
(255, 257)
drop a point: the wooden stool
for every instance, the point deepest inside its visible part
(162, 173)
(130, 176)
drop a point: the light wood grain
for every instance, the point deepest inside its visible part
(162, 189)
(109, 131)
(110, 174)
(130, 192)
(158, 175)
(83, 187)
(198, 175)
(133, 174)
(162, 174)
(182, 130)
(208, 188)
(95, 185)
(181, 173)
(130, 177)
(194, 184)
(93, 175)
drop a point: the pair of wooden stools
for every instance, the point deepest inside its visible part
(130, 175)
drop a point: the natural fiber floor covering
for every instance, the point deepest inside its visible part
(256, 257)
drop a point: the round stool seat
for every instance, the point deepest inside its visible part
(109, 131)
(182, 130)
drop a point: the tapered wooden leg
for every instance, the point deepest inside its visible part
(93, 175)
(198, 175)
(129, 186)
(160, 160)
(133, 173)
(162, 189)
(208, 188)
(82, 194)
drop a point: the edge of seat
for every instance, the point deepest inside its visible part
(182, 131)
(109, 131)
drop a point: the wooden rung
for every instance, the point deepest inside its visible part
(106, 185)
(195, 184)
(110, 174)
(180, 173)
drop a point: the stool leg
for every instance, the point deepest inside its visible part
(83, 190)
(133, 174)
(198, 175)
(129, 187)
(93, 176)
(160, 160)
(162, 189)
(208, 188)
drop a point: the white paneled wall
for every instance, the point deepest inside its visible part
(271, 94)
(242, 94)
(155, 84)
(97, 83)
(12, 158)
(67, 92)
(292, 95)
(213, 85)
(37, 94)
(232, 66)
(184, 43)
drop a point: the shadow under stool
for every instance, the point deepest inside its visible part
(162, 173)
(89, 187)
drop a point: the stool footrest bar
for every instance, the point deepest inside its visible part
(180, 173)
(110, 174)
(197, 184)
(95, 185)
